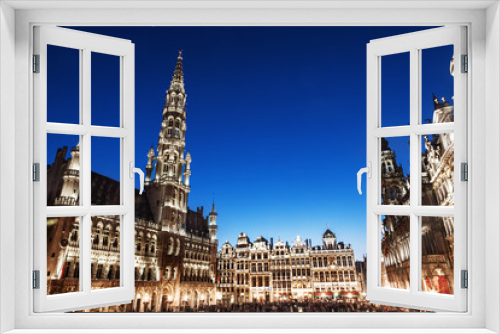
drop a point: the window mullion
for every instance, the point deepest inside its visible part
(86, 173)
(414, 168)
(85, 245)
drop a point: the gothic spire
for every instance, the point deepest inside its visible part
(179, 71)
(176, 95)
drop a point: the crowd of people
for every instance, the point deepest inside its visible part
(316, 306)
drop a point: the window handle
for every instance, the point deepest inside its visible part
(368, 171)
(134, 170)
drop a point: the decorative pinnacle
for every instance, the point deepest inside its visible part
(151, 152)
(179, 71)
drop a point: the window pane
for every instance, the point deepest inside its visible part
(63, 170)
(105, 90)
(105, 171)
(395, 256)
(437, 254)
(395, 92)
(395, 170)
(63, 85)
(437, 78)
(63, 255)
(438, 169)
(105, 252)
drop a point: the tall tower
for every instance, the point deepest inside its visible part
(70, 193)
(395, 186)
(168, 191)
(212, 227)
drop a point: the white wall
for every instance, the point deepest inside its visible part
(492, 163)
(7, 158)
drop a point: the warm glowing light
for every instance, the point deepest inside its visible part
(170, 298)
(146, 298)
(185, 298)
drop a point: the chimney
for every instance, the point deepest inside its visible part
(272, 243)
(307, 243)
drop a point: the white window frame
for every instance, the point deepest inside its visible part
(85, 43)
(483, 124)
(414, 43)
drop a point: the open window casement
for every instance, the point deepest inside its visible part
(416, 226)
(72, 210)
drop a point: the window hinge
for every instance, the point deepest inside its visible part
(36, 63)
(464, 279)
(464, 171)
(36, 172)
(36, 279)
(465, 64)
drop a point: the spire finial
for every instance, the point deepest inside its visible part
(178, 76)
(327, 226)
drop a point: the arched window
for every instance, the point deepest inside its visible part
(97, 236)
(117, 237)
(105, 240)
(138, 244)
(74, 235)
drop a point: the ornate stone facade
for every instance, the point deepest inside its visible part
(175, 247)
(266, 272)
(437, 232)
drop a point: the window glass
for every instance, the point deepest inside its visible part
(63, 256)
(105, 89)
(395, 250)
(395, 95)
(63, 170)
(63, 85)
(438, 169)
(395, 170)
(438, 68)
(437, 254)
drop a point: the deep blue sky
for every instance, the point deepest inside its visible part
(276, 120)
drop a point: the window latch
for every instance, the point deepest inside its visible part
(368, 171)
(134, 170)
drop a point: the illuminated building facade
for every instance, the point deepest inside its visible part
(266, 272)
(175, 247)
(437, 166)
